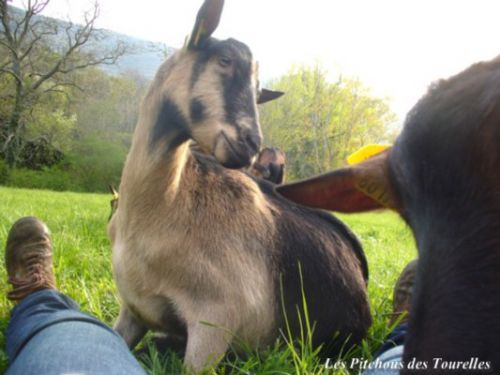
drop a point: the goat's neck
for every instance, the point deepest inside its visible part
(156, 162)
(456, 307)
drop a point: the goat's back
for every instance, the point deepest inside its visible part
(313, 255)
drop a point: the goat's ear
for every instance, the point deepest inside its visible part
(265, 156)
(361, 187)
(266, 95)
(207, 21)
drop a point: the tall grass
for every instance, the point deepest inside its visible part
(82, 260)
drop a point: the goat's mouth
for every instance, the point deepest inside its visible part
(230, 153)
(261, 171)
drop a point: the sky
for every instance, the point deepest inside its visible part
(395, 47)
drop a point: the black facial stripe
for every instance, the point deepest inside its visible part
(238, 99)
(238, 94)
(238, 90)
(171, 125)
(197, 110)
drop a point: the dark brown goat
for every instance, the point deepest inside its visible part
(206, 253)
(442, 176)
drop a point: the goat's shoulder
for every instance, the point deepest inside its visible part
(228, 193)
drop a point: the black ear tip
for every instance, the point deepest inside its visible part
(274, 93)
(268, 95)
(277, 94)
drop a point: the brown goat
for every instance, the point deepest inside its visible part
(442, 176)
(206, 253)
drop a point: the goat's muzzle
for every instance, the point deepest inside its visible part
(237, 153)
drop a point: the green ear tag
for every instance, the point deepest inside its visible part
(366, 152)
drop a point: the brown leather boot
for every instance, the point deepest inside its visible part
(28, 258)
(403, 291)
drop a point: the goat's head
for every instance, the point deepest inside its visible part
(445, 159)
(442, 177)
(269, 165)
(210, 90)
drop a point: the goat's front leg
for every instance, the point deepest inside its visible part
(129, 327)
(206, 345)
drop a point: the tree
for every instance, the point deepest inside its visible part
(38, 57)
(319, 123)
(108, 107)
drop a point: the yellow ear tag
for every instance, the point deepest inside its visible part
(366, 152)
(371, 180)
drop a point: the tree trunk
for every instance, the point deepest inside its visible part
(13, 140)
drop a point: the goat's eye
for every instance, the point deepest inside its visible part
(225, 61)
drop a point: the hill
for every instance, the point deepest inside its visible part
(142, 56)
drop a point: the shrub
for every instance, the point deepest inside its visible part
(49, 178)
(40, 153)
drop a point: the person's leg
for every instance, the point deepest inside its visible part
(389, 358)
(395, 338)
(47, 333)
(389, 362)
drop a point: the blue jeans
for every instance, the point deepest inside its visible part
(49, 335)
(389, 358)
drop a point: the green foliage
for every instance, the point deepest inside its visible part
(91, 166)
(108, 107)
(40, 57)
(50, 121)
(97, 163)
(318, 123)
(93, 130)
(49, 178)
(82, 260)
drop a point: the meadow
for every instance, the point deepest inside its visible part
(82, 260)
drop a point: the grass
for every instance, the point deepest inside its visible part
(82, 259)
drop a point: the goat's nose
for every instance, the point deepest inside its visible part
(253, 141)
